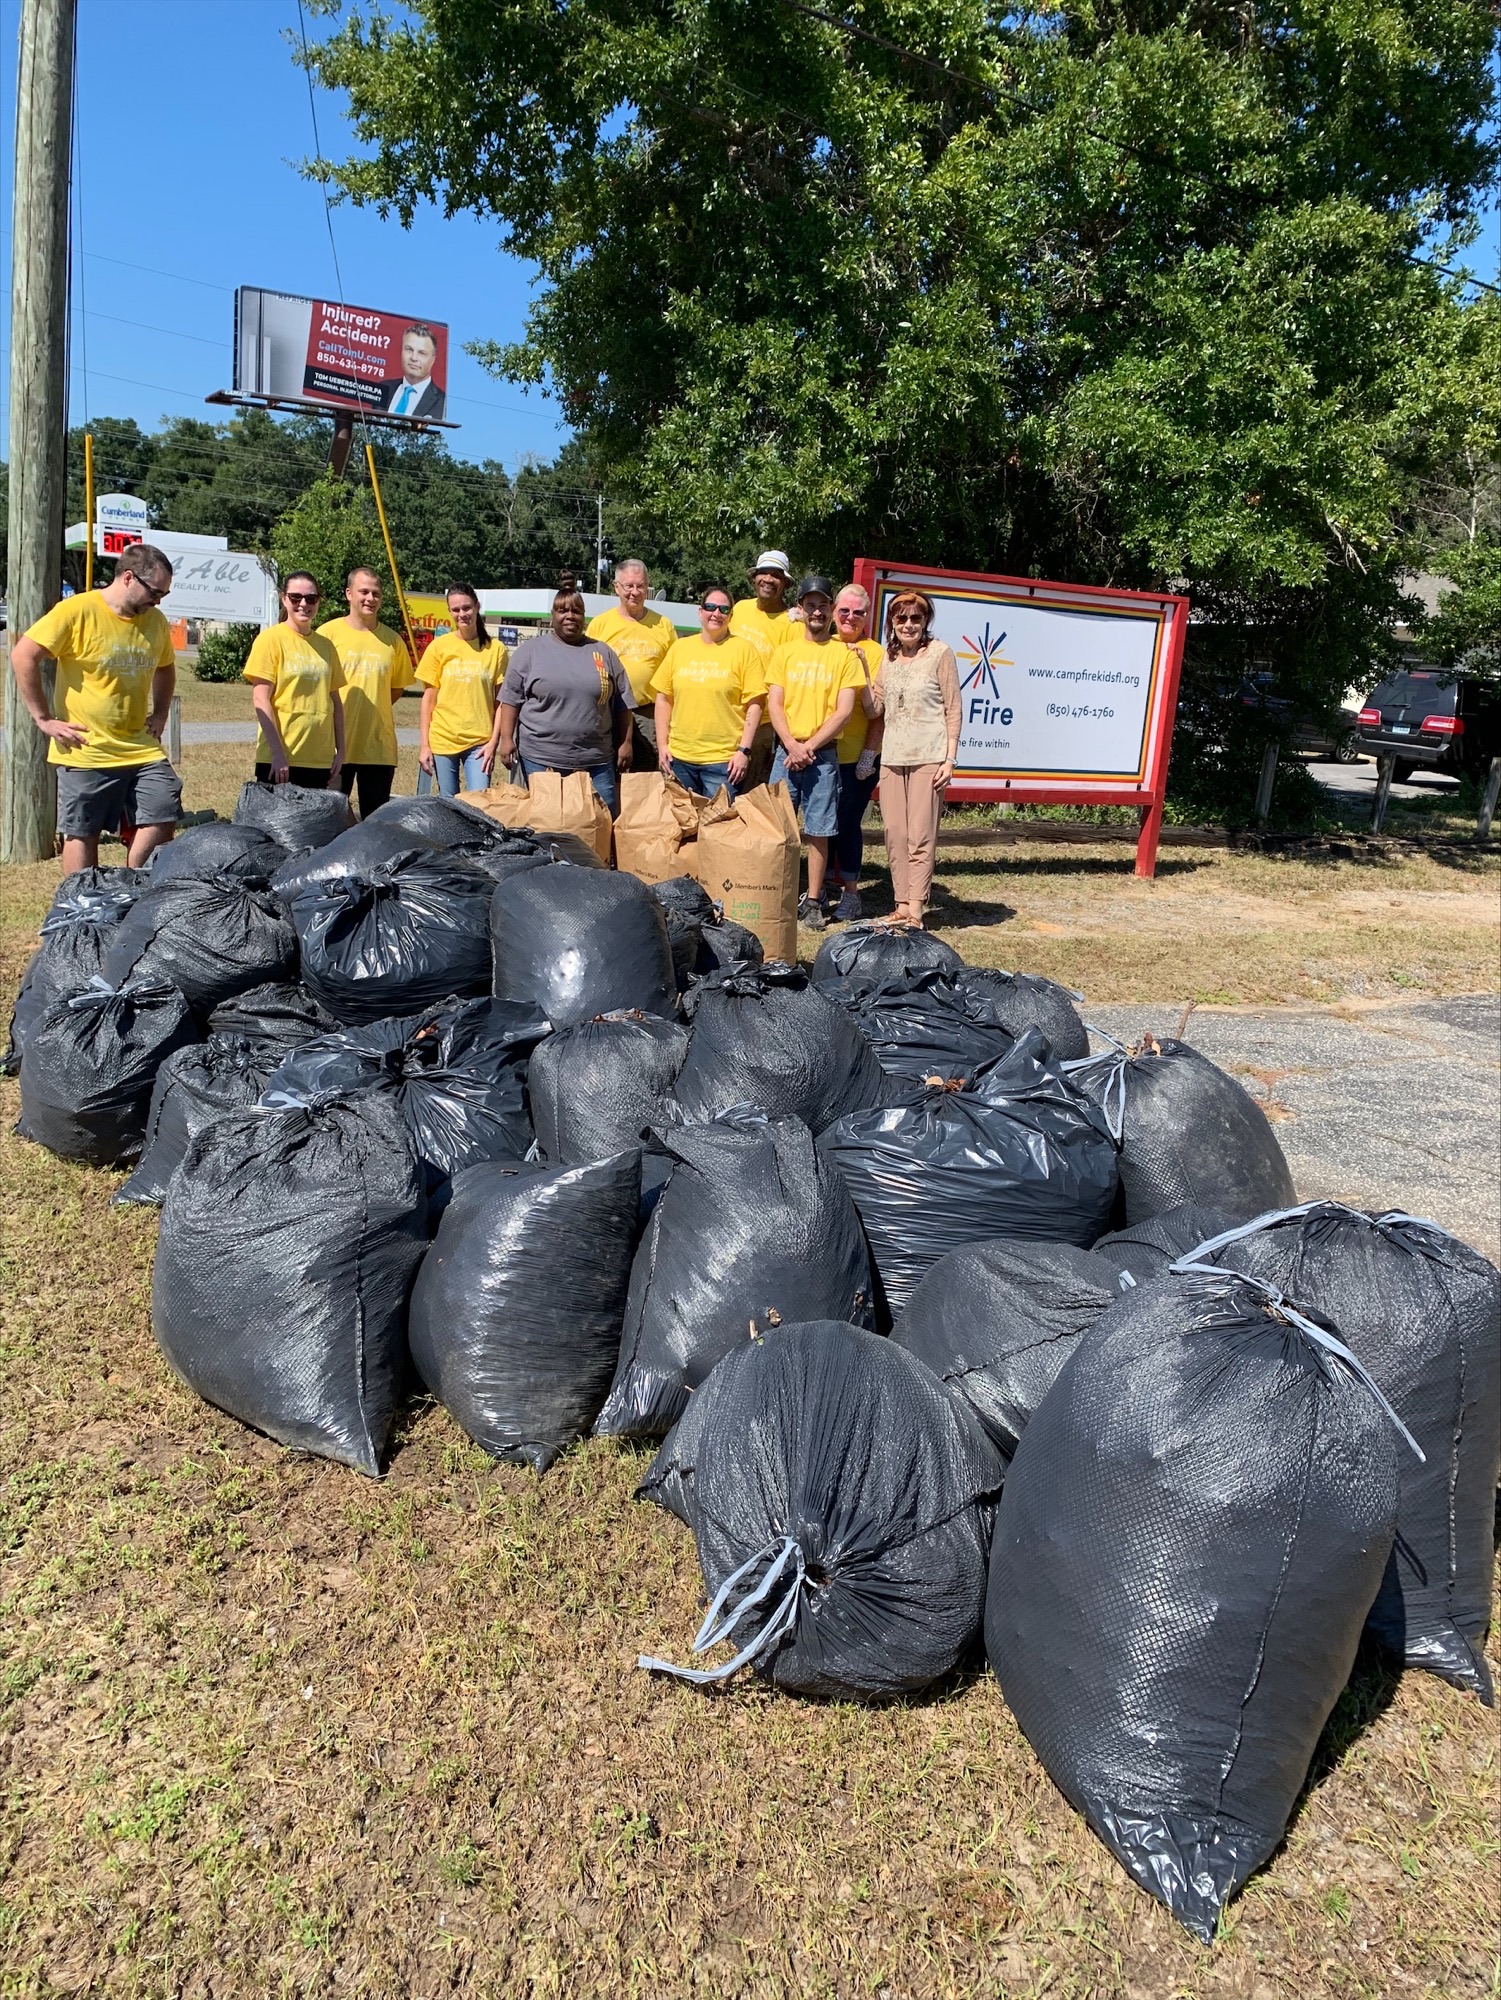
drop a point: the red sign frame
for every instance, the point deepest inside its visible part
(1146, 788)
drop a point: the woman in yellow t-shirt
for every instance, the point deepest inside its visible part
(462, 671)
(709, 693)
(295, 678)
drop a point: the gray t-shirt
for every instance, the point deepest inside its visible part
(568, 697)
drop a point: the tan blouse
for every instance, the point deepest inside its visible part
(920, 701)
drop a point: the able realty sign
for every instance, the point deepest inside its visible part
(1068, 691)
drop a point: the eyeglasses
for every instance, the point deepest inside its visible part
(848, 611)
(909, 618)
(302, 597)
(715, 610)
(156, 592)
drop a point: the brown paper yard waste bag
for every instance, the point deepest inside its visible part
(747, 856)
(552, 802)
(658, 824)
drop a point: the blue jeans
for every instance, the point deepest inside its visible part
(461, 773)
(814, 790)
(602, 777)
(855, 795)
(705, 779)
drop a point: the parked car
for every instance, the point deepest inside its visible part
(1438, 721)
(1338, 743)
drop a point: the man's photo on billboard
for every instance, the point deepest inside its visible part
(414, 393)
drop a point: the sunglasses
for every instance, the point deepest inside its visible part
(154, 592)
(302, 597)
(909, 618)
(847, 611)
(715, 610)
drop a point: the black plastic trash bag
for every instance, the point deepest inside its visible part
(576, 942)
(515, 1320)
(395, 938)
(998, 1320)
(457, 1073)
(288, 1245)
(763, 1035)
(298, 816)
(684, 893)
(1191, 1533)
(841, 1501)
(1017, 1152)
(440, 822)
(752, 1228)
(76, 934)
(210, 939)
(281, 1013)
(919, 1026)
(726, 943)
(859, 957)
(218, 847)
(1017, 1001)
(193, 1087)
(91, 1060)
(1422, 1311)
(1146, 1249)
(350, 855)
(594, 1089)
(1187, 1131)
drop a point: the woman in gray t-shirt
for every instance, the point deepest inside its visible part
(565, 704)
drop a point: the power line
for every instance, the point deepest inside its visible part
(179, 277)
(312, 105)
(171, 332)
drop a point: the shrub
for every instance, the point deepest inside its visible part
(221, 655)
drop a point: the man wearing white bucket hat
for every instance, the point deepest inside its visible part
(764, 622)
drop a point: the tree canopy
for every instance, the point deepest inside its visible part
(1119, 290)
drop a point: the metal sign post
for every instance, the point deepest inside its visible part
(1068, 691)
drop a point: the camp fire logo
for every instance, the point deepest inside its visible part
(984, 655)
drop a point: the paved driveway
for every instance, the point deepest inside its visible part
(1384, 1106)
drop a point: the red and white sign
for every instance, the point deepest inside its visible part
(1068, 691)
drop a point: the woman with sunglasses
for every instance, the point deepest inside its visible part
(459, 726)
(709, 692)
(295, 678)
(859, 748)
(916, 689)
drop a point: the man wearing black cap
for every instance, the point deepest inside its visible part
(813, 684)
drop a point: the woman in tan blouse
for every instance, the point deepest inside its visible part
(916, 689)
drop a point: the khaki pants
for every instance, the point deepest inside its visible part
(910, 807)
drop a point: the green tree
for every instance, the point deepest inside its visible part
(1121, 290)
(327, 532)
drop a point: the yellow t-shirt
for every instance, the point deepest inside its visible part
(812, 674)
(304, 675)
(710, 688)
(466, 677)
(105, 666)
(851, 739)
(640, 644)
(766, 633)
(375, 666)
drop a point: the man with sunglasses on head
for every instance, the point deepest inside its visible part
(295, 679)
(709, 692)
(114, 681)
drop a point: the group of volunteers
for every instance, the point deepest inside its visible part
(799, 693)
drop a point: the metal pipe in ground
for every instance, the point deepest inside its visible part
(1488, 803)
(1265, 783)
(1385, 770)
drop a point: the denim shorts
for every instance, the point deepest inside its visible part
(704, 779)
(91, 802)
(814, 790)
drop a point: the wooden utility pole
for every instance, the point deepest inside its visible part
(38, 395)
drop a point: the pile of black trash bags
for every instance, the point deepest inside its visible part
(946, 1330)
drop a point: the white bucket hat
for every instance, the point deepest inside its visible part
(774, 559)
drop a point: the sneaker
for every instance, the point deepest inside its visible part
(848, 910)
(810, 915)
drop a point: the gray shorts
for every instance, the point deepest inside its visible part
(93, 802)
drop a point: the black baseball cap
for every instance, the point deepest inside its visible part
(810, 584)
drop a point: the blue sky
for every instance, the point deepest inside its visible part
(195, 109)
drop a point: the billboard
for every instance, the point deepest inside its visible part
(299, 350)
(1067, 692)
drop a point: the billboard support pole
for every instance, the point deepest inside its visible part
(38, 396)
(380, 509)
(88, 509)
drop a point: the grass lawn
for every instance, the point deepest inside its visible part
(269, 1727)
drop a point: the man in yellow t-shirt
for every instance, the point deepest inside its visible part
(859, 750)
(709, 693)
(638, 636)
(113, 687)
(764, 621)
(812, 687)
(376, 667)
(295, 678)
